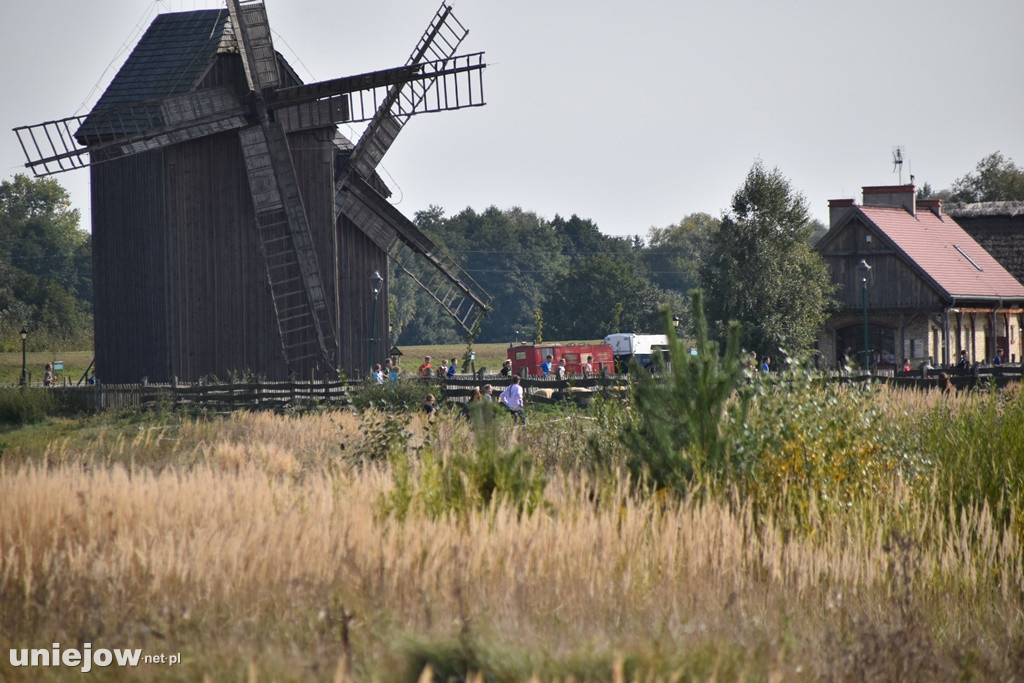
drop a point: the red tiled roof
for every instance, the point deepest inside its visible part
(945, 252)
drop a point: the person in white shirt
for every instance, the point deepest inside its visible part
(512, 398)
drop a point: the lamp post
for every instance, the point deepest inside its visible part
(376, 284)
(24, 367)
(865, 270)
(675, 322)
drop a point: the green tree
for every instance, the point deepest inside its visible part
(45, 265)
(582, 302)
(996, 178)
(762, 271)
(511, 253)
(684, 420)
(673, 254)
(579, 238)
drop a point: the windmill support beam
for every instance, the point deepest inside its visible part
(341, 86)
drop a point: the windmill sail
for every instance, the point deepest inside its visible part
(443, 279)
(300, 304)
(439, 42)
(415, 253)
(78, 141)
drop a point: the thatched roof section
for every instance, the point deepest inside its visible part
(978, 209)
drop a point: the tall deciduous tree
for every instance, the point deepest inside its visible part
(511, 253)
(581, 302)
(762, 271)
(673, 254)
(995, 178)
(45, 265)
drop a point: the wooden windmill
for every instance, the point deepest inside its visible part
(234, 227)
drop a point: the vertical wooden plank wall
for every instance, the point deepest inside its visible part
(358, 257)
(222, 318)
(130, 269)
(181, 288)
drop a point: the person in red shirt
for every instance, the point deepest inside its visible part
(425, 369)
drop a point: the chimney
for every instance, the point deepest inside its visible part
(891, 195)
(837, 208)
(933, 205)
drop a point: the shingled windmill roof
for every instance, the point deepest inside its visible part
(171, 58)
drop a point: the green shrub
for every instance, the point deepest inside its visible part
(382, 435)
(683, 419)
(810, 441)
(20, 406)
(401, 395)
(470, 479)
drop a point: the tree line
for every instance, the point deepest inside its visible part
(566, 280)
(562, 279)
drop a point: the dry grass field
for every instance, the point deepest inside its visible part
(332, 546)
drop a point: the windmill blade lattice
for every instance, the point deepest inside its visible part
(438, 44)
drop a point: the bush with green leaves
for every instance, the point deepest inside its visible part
(21, 406)
(808, 441)
(382, 435)
(470, 478)
(403, 395)
(683, 419)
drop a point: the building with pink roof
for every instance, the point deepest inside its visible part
(929, 289)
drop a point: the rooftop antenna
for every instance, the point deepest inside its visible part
(897, 161)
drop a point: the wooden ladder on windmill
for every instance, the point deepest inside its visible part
(299, 300)
(300, 303)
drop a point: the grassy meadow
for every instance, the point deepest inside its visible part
(864, 535)
(75, 363)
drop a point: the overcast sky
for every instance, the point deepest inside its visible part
(630, 114)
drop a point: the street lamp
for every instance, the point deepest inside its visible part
(864, 270)
(675, 322)
(376, 284)
(24, 368)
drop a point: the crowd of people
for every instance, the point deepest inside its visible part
(512, 398)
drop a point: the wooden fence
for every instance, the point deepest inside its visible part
(581, 390)
(219, 397)
(281, 395)
(539, 390)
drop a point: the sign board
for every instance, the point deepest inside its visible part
(58, 365)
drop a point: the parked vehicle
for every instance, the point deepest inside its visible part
(627, 346)
(526, 358)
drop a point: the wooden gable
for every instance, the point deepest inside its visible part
(893, 283)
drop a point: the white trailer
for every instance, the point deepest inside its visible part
(627, 346)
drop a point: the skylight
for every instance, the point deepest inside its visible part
(964, 254)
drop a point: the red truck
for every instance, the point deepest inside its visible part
(526, 358)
